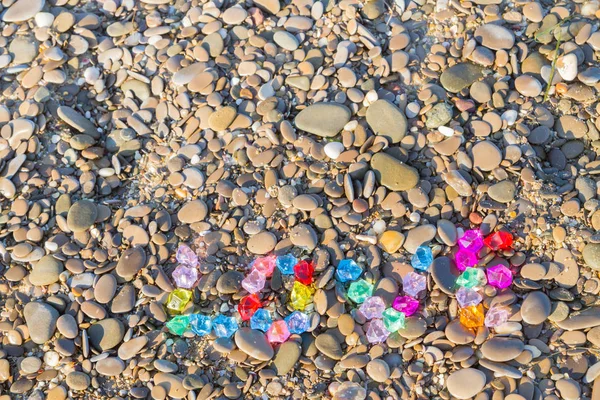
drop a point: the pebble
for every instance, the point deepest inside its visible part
(286, 357)
(460, 76)
(46, 271)
(465, 383)
(394, 174)
(41, 321)
(254, 343)
(378, 370)
(495, 37)
(78, 380)
(327, 344)
(385, 119)
(23, 10)
(502, 349)
(323, 119)
(536, 308)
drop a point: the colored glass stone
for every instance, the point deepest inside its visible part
(406, 305)
(472, 316)
(393, 320)
(224, 327)
(496, 316)
(372, 307)
(254, 282)
(471, 277)
(178, 324)
(286, 264)
(185, 276)
(359, 291)
(297, 322)
(178, 299)
(499, 276)
(348, 270)
(471, 240)
(278, 332)
(499, 241)
(301, 296)
(465, 259)
(303, 271)
(414, 283)
(422, 258)
(185, 255)
(376, 332)
(248, 306)
(468, 297)
(266, 265)
(200, 324)
(261, 320)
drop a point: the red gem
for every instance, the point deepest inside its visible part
(499, 241)
(248, 306)
(304, 272)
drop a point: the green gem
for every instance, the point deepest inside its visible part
(179, 324)
(178, 299)
(360, 290)
(472, 277)
(393, 320)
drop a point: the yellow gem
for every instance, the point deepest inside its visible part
(472, 317)
(178, 299)
(391, 241)
(301, 296)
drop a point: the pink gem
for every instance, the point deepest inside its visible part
(376, 333)
(186, 256)
(472, 240)
(266, 265)
(406, 304)
(465, 259)
(496, 316)
(499, 276)
(254, 282)
(278, 332)
(373, 307)
(467, 297)
(185, 276)
(413, 283)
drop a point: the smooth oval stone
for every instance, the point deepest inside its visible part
(444, 274)
(495, 37)
(465, 383)
(132, 260)
(323, 119)
(286, 40)
(393, 173)
(329, 345)
(486, 156)
(110, 366)
(67, 325)
(262, 243)
(458, 334)
(460, 76)
(82, 215)
(587, 318)
(77, 121)
(172, 383)
(193, 211)
(536, 308)
(304, 236)
(591, 255)
(124, 301)
(533, 271)
(46, 271)
(502, 349)
(286, 358)
(230, 282)
(385, 119)
(78, 380)
(415, 327)
(22, 10)
(254, 343)
(420, 235)
(503, 192)
(41, 321)
(105, 289)
(131, 348)
(106, 334)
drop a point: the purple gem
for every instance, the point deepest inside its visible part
(496, 316)
(186, 256)
(373, 307)
(185, 276)
(499, 276)
(414, 283)
(406, 304)
(377, 333)
(254, 282)
(472, 240)
(465, 259)
(467, 297)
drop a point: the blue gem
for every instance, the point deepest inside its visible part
(201, 324)
(224, 326)
(348, 270)
(297, 322)
(286, 264)
(261, 320)
(422, 258)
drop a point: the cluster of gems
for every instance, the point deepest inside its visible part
(382, 320)
(250, 308)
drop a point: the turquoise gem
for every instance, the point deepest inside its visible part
(286, 264)
(422, 258)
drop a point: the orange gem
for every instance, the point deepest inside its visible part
(472, 316)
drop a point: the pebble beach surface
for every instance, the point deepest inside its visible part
(326, 129)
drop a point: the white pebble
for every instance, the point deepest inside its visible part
(510, 116)
(379, 227)
(44, 19)
(91, 75)
(412, 109)
(333, 150)
(372, 96)
(446, 131)
(415, 217)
